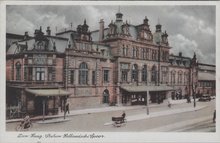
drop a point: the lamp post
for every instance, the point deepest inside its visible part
(43, 109)
(64, 116)
(194, 97)
(147, 102)
(194, 94)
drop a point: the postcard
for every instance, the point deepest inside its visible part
(109, 71)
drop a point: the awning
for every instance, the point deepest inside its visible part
(147, 88)
(48, 92)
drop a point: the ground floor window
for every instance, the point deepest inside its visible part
(106, 96)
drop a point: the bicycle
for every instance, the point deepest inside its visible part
(24, 126)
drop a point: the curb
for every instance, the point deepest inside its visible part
(157, 114)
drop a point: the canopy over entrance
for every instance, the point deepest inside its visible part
(48, 92)
(147, 88)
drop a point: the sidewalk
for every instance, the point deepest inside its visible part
(158, 114)
(99, 110)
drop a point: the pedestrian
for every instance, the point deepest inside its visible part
(67, 107)
(123, 116)
(214, 116)
(169, 103)
(188, 99)
(26, 121)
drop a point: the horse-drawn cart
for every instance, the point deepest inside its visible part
(118, 121)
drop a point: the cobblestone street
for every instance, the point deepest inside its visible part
(96, 121)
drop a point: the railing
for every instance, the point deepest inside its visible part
(13, 112)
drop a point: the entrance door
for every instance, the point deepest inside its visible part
(106, 96)
(138, 99)
(38, 105)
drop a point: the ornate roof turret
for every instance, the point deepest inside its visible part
(145, 20)
(39, 35)
(158, 26)
(164, 38)
(85, 27)
(83, 33)
(119, 15)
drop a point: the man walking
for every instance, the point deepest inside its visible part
(67, 107)
(214, 116)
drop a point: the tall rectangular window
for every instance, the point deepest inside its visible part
(50, 74)
(93, 77)
(18, 71)
(124, 75)
(147, 53)
(106, 75)
(30, 73)
(40, 74)
(25, 73)
(72, 77)
(144, 73)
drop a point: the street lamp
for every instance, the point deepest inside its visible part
(64, 116)
(194, 95)
(147, 102)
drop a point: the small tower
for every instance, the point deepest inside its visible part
(158, 26)
(101, 30)
(145, 20)
(194, 60)
(85, 27)
(119, 15)
(48, 31)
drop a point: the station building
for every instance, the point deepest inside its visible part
(122, 64)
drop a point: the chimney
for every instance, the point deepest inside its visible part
(26, 36)
(180, 54)
(101, 30)
(48, 31)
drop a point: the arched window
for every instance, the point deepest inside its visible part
(123, 51)
(144, 73)
(83, 73)
(143, 53)
(180, 77)
(164, 71)
(18, 71)
(154, 74)
(147, 53)
(126, 51)
(106, 96)
(185, 78)
(173, 77)
(134, 73)
(137, 53)
(134, 52)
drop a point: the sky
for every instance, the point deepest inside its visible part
(190, 28)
